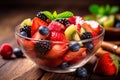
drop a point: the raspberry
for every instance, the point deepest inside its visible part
(55, 26)
(6, 50)
(57, 36)
(42, 47)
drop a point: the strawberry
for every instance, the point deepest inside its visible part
(57, 36)
(72, 19)
(54, 62)
(57, 51)
(36, 23)
(79, 58)
(107, 64)
(94, 25)
(37, 36)
(56, 26)
(87, 27)
(71, 55)
(27, 44)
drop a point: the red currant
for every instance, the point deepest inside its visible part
(6, 50)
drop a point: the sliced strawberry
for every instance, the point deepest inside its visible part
(57, 50)
(36, 23)
(56, 26)
(95, 26)
(79, 58)
(57, 36)
(87, 27)
(37, 36)
(78, 27)
(72, 19)
(107, 64)
(26, 44)
(71, 55)
(54, 62)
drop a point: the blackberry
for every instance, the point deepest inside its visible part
(26, 29)
(42, 47)
(86, 35)
(65, 22)
(89, 44)
(42, 16)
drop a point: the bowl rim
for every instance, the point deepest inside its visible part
(85, 40)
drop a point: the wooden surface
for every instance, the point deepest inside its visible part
(25, 69)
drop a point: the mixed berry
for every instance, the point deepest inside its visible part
(7, 51)
(55, 39)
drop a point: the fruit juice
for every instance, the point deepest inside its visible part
(59, 42)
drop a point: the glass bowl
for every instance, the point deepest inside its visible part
(59, 58)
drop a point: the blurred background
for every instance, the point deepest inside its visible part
(79, 7)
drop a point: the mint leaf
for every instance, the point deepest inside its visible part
(65, 14)
(101, 10)
(55, 14)
(107, 9)
(48, 14)
(94, 8)
(114, 9)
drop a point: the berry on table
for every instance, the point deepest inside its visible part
(17, 52)
(44, 30)
(74, 46)
(6, 50)
(81, 72)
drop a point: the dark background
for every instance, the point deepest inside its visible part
(79, 7)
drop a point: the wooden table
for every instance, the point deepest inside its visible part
(25, 69)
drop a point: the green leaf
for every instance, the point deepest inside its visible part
(65, 14)
(48, 14)
(107, 9)
(94, 9)
(55, 14)
(101, 10)
(114, 9)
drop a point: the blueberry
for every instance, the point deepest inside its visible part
(64, 65)
(89, 46)
(74, 46)
(23, 33)
(117, 25)
(18, 53)
(81, 72)
(44, 30)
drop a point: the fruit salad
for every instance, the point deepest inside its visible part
(59, 41)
